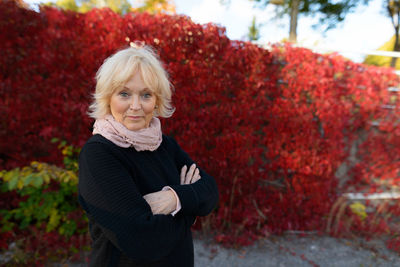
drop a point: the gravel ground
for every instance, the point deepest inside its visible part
(288, 251)
(292, 250)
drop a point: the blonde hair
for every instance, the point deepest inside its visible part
(116, 71)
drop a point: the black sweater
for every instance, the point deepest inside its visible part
(112, 181)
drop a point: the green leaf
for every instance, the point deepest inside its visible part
(38, 181)
(74, 249)
(11, 174)
(28, 179)
(53, 221)
(68, 228)
(12, 184)
(25, 222)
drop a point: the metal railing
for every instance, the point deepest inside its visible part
(372, 196)
(363, 52)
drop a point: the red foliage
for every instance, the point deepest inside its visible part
(37, 243)
(5, 239)
(271, 126)
(394, 244)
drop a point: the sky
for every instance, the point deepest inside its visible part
(366, 29)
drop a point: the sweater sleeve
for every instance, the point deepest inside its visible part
(109, 196)
(199, 198)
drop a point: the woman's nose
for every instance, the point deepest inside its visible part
(135, 104)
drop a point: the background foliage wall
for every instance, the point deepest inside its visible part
(272, 126)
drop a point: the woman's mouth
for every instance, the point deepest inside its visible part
(134, 117)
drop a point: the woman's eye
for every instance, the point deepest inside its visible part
(124, 94)
(147, 95)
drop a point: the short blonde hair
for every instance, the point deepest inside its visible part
(116, 71)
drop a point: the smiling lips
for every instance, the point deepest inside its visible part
(135, 117)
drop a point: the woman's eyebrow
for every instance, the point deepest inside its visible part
(144, 89)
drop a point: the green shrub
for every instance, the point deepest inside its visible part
(44, 207)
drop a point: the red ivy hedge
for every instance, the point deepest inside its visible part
(271, 126)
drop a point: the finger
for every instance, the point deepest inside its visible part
(195, 179)
(148, 197)
(156, 206)
(183, 174)
(196, 175)
(155, 209)
(189, 174)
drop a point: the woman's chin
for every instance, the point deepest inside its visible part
(135, 126)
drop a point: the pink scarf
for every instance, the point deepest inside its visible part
(144, 139)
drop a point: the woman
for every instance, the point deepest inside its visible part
(140, 190)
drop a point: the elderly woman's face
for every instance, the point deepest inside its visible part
(133, 105)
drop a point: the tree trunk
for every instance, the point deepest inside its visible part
(294, 11)
(396, 48)
(393, 8)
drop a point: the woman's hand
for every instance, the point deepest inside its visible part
(164, 201)
(191, 176)
(161, 202)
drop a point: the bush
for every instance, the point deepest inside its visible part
(44, 220)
